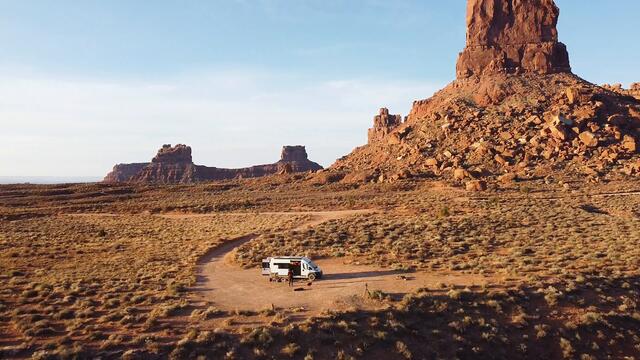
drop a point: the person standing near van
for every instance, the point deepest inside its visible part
(290, 277)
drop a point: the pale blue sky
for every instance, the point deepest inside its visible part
(86, 84)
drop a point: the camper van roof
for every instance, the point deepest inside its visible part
(289, 258)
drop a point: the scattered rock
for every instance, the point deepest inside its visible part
(573, 95)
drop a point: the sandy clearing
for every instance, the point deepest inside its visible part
(230, 287)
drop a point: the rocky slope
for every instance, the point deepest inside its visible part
(174, 165)
(515, 111)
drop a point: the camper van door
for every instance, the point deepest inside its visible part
(296, 267)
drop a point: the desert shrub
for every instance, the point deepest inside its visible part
(403, 350)
(290, 350)
(259, 337)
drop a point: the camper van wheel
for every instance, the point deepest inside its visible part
(312, 277)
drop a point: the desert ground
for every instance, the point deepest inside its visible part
(532, 269)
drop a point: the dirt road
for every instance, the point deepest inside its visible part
(231, 287)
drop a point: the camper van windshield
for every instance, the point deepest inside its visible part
(313, 265)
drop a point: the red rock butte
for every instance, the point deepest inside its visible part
(512, 37)
(515, 111)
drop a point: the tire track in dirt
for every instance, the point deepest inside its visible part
(218, 253)
(230, 287)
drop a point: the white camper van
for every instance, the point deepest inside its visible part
(303, 268)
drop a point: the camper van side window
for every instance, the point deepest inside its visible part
(283, 266)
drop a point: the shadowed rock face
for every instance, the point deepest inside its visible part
(174, 165)
(513, 37)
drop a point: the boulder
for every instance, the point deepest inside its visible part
(476, 185)
(629, 144)
(559, 132)
(460, 174)
(508, 178)
(431, 162)
(589, 139)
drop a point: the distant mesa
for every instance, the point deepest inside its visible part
(174, 165)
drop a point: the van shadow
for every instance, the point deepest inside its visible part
(361, 275)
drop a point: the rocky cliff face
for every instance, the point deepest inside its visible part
(174, 165)
(512, 37)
